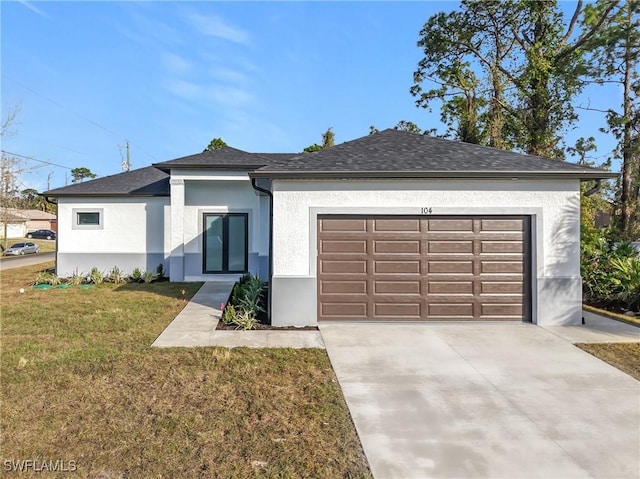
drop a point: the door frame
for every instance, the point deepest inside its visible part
(225, 242)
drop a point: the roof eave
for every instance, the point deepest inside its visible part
(580, 175)
(103, 195)
(168, 168)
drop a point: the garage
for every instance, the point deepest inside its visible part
(433, 268)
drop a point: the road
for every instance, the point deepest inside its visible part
(10, 262)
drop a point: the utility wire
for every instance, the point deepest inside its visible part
(69, 110)
(35, 159)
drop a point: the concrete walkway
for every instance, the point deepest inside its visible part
(485, 401)
(597, 329)
(196, 324)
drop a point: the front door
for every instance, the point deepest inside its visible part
(225, 243)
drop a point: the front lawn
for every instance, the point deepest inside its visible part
(81, 385)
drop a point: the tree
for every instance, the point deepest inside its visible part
(505, 73)
(215, 144)
(29, 199)
(616, 60)
(80, 173)
(597, 202)
(328, 140)
(10, 170)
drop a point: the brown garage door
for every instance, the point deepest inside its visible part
(422, 268)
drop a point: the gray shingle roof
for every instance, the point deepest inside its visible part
(402, 154)
(226, 157)
(389, 153)
(147, 181)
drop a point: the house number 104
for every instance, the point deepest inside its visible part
(426, 210)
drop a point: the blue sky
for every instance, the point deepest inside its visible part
(170, 76)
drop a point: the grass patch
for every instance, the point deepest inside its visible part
(624, 356)
(80, 383)
(618, 317)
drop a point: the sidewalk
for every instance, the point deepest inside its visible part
(196, 324)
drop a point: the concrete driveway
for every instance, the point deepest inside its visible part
(484, 401)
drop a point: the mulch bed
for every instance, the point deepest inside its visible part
(267, 327)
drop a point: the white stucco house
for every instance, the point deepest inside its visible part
(391, 226)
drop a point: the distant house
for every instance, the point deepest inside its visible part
(391, 226)
(22, 221)
(39, 220)
(16, 224)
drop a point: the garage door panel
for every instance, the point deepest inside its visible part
(501, 310)
(396, 247)
(341, 310)
(397, 225)
(397, 267)
(450, 287)
(497, 224)
(450, 310)
(501, 247)
(450, 225)
(396, 287)
(450, 247)
(343, 287)
(421, 268)
(412, 310)
(358, 225)
(496, 267)
(343, 267)
(337, 246)
(450, 267)
(501, 287)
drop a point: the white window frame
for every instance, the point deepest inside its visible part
(75, 219)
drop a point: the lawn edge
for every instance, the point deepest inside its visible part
(608, 314)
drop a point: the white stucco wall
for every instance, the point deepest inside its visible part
(554, 206)
(204, 192)
(131, 228)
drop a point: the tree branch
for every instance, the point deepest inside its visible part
(584, 38)
(572, 23)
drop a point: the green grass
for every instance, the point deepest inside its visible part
(80, 383)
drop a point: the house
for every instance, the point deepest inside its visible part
(16, 224)
(391, 226)
(39, 220)
(21, 221)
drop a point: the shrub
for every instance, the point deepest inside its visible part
(75, 279)
(626, 281)
(160, 271)
(245, 303)
(96, 276)
(229, 314)
(246, 295)
(609, 272)
(136, 275)
(44, 277)
(148, 277)
(116, 276)
(245, 320)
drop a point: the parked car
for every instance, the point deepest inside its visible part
(42, 234)
(21, 248)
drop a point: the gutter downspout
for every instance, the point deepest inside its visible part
(270, 195)
(593, 189)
